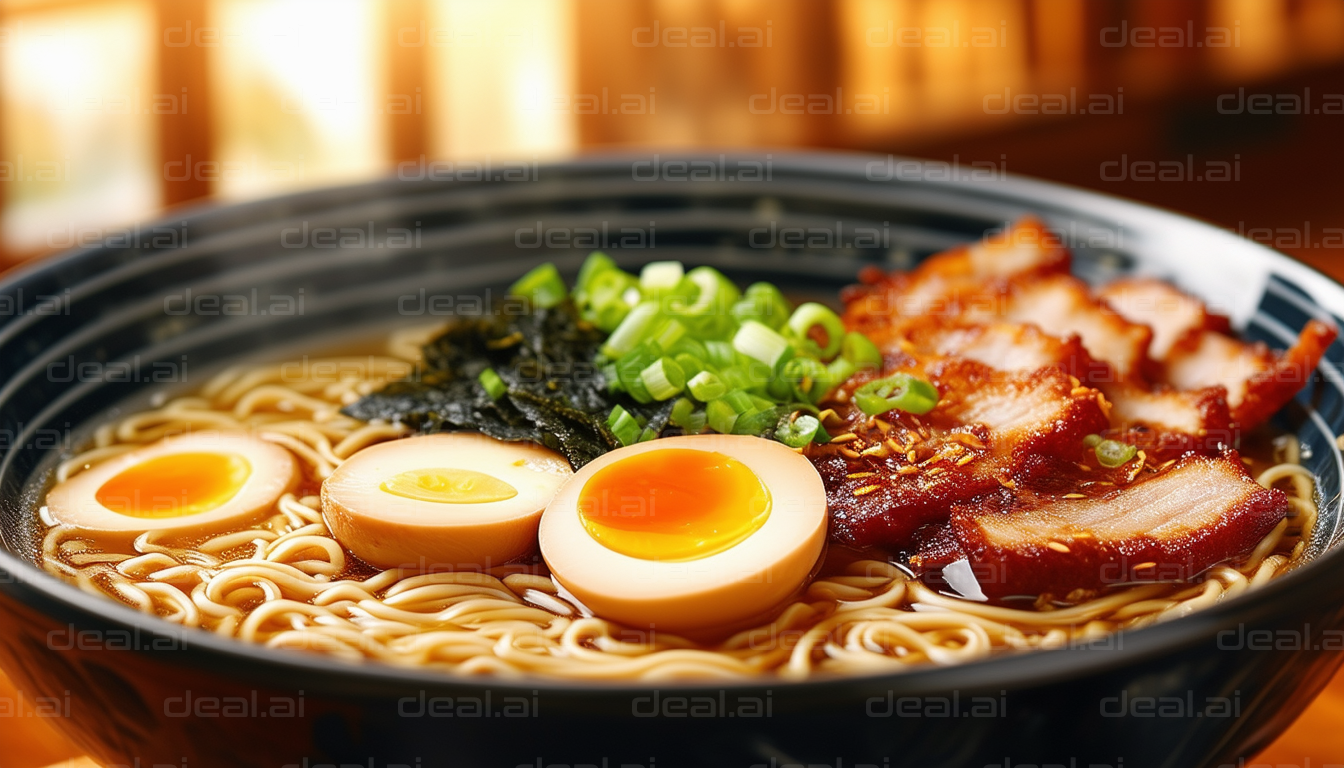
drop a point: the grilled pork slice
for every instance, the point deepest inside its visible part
(1173, 526)
(1258, 380)
(1168, 311)
(1167, 423)
(989, 430)
(944, 284)
(1063, 305)
(1014, 347)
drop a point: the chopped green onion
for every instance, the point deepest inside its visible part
(689, 346)
(860, 350)
(755, 421)
(899, 391)
(632, 329)
(681, 412)
(623, 426)
(763, 303)
(720, 416)
(542, 286)
(613, 378)
(1113, 453)
(739, 400)
(695, 423)
(630, 369)
(798, 431)
(809, 315)
(716, 294)
(660, 276)
(689, 363)
(762, 343)
(706, 386)
(669, 333)
(647, 435)
(735, 377)
(596, 263)
(603, 299)
(779, 389)
(663, 378)
(839, 370)
(808, 379)
(494, 386)
(1092, 441)
(720, 354)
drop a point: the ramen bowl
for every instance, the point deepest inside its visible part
(112, 327)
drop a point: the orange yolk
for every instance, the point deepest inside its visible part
(673, 504)
(176, 485)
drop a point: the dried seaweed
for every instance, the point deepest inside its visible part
(556, 395)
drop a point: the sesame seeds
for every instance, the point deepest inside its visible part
(1058, 547)
(847, 437)
(1075, 496)
(865, 490)
(857, 475)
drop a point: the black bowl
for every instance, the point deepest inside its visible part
(101, 329)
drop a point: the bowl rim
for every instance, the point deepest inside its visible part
(204, 649)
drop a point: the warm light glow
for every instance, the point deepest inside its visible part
(503, 76)
(79, 126)
(299, 94)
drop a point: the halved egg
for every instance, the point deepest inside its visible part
(442, 502)
(693, 534)
(197, 483)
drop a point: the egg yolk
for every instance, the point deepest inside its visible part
(673, 504)
(449, 486)
(176, 485)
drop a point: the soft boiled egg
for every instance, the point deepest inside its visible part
(442, 502)
(693, 534)
(197, 483)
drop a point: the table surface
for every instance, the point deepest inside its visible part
(1316, 740)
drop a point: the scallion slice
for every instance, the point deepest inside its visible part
(1113, 453)
(762, 343)
(632, 330)
(706, 386)
(494, 386)
(663, 378)
(900, 391)
(623, 426)
(660, 276)
(860, 350)
(721, 416)
(798, 431)
(810, 315)
(542, 286)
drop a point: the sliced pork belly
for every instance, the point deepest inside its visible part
(1168, 311)
(1167, 423)
(990, 430)
(1169, 527)
(1045, 413)
(944, 285)
(1258, 380)
(1013, 347)
(1063, 305)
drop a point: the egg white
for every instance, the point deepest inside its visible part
(716, 593)
(392, 531)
